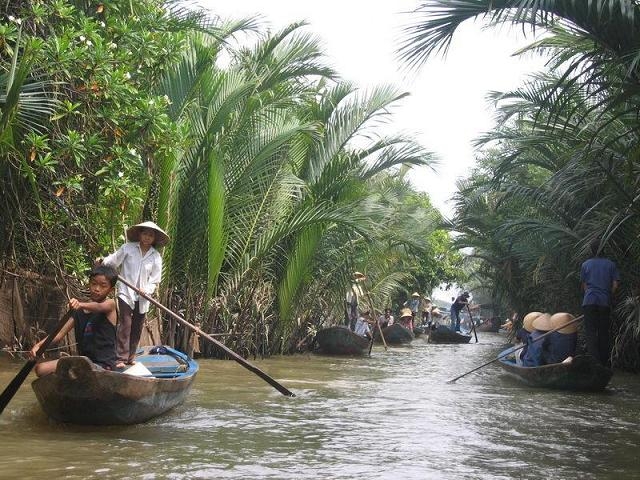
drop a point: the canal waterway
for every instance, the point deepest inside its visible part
(390, 416)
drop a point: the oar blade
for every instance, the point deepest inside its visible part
(15, 384)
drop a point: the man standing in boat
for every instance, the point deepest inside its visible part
(456, 307)
(599, 279)
(355, 297)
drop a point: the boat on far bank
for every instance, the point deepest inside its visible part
(81, 392)
(340, 340)
(442, 334)
(583, 373)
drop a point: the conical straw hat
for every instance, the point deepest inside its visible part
(133, 233)
(527, 322)
(562, 318)
(406, 312)
(543, 322)
(415, 294)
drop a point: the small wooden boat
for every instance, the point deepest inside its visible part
(81, 392)
(488, 327)
(442, 334)
(395, 334)
(583, 373)
(341, 341)
(417, 331)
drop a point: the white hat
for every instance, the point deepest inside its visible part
(133, 233)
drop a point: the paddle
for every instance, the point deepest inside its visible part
(515, 349)
(19, 379)
(373, 312)
(223, 347)
(473, 325)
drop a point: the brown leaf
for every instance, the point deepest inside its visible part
(32, 154)
(100, 8)
(60, 191)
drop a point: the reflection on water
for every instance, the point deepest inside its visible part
(389, 416)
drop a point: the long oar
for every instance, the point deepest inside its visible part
(19, 379)
(223, 347)
(373, 312)
(515, 349)
(473, 325)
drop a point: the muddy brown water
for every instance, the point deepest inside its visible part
(389, 416)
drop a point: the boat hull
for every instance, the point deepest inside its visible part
(582, 374)
(395, 334)
(341, 341)
(82, 393)
(445, 335)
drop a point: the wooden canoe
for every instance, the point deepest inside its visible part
(442, 334)
(582, 374)
(80, 392)
(488, 327)
(341, 341)
(395, 334)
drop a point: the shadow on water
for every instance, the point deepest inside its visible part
(389, 416)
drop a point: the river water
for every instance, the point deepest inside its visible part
(389, 416)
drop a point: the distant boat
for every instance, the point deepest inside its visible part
(395, 334)
(488, 326)
(442, 334)
(81, 392)
(341, 341)
(583, 373)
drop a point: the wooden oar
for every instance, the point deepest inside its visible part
(19, 379)
(223, 347)
(473, 325)
(373, 312)
(515, 349)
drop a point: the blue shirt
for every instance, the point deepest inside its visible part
(598, 275)
(536, 350)
(561, 346)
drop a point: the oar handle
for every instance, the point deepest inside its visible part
(473, 325)
(515, 349)
(373, 312)
(249, 366)
(18, 380)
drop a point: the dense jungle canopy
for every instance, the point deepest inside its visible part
(276, 179)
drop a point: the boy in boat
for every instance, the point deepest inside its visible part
(94, 323)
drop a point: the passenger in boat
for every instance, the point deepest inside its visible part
(599, 280)
(94, 323)
(562, 342)
(140, 264)
(363, 324)
(522, 334)
(456, 307)
(538, 349)
(386, 319)
(406, 319)
(414, 304)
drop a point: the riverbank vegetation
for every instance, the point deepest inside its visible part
(561, 168)
(274, 178)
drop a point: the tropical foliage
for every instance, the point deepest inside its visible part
(561, 168)
(274, 178)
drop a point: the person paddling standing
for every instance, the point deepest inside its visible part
(141, 265)
(599, 280)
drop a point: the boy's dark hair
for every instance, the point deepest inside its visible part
(108, 272)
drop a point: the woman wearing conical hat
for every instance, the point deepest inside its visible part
(141, 265)
(562, 342)
(406, 319)
(537, 349)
